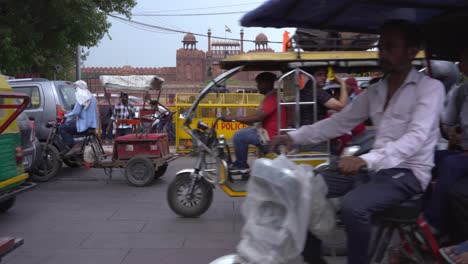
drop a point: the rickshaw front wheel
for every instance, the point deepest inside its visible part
(139, 171)
(188, 204)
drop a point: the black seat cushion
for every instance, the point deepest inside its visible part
(407, 211)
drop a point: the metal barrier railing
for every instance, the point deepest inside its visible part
(211, 106)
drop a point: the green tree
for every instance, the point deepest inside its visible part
(36, 35)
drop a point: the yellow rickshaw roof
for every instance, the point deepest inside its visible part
(282, 60)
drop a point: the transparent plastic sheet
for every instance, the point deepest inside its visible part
(281, 202)
(322, 210)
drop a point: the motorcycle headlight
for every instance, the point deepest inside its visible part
(221, 140)
(350, 151)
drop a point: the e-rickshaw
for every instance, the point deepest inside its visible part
(445, 38)
(13, 179)
(12, 175)
(190, 194)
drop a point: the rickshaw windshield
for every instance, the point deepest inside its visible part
(215, 82)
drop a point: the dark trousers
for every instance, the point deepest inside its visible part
(364, 195)
(67, 130)
(458, 211)
(104, 134)
(451, 167)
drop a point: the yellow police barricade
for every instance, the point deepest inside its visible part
(210, 107)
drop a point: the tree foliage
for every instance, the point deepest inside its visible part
(36, 35)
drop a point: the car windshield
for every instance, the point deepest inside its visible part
(67, 94)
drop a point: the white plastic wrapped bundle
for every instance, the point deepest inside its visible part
(322, 211)
(284, 200)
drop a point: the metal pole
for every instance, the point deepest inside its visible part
(78, 62)
(298, 98)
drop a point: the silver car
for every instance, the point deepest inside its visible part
(29, 143)
(45, 96)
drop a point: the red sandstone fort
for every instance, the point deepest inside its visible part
(193, 66)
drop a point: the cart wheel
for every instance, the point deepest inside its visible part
(48, 165)
(161, 170)
(7, 204)
(139, 171)
(185, 204)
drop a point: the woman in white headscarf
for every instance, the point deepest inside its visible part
(84, 115)
(82, 94)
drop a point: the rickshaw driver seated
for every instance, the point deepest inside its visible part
(266, 115)
(86, 113)
(405, 108)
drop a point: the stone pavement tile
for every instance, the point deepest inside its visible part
(137, 212)
(18, 212)
(36, 204)
(29, 225)
(133, 240)
(179, 225)
(76, 215)
(174, 256)
(212, 240)
(50, 241)
(217, 211)
(69, 256)
(100, 226)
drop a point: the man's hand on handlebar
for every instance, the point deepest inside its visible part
(351, 165)
(282, 140)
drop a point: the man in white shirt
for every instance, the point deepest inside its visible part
(405, 109)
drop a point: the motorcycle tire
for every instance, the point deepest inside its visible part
(48, 165)
(7, 204)
(139, 171)
(161, 170)
(184, 206)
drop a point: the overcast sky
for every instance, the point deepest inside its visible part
(129, 45)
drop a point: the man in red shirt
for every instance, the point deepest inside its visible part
(267, 115)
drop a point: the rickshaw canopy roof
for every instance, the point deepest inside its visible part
(131, 83)
(442, 21)
(270, 61)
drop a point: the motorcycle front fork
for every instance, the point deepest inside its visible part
(195, 176)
